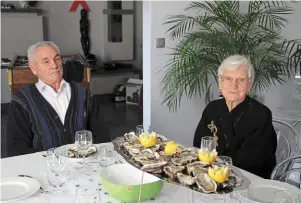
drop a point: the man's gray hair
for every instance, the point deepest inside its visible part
(232, 63)
(33, 48)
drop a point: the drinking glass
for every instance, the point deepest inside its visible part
(110, 154)
(139, 130)
(102, 151)
(208, 143)
(284, 196)
(208, 153)
(87, 195)
(56, 163)
(83, 141)
(225, 160)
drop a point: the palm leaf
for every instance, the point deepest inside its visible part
(220, 30)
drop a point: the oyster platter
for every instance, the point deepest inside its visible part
(175, 164)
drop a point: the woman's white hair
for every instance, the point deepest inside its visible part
(232, 63)
(33, 48)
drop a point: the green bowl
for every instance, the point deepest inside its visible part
(122, 181)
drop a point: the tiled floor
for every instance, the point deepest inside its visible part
(120, 117)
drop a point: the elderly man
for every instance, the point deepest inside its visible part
(47, 114)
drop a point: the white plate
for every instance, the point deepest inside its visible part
(63, 150)
(16, 188)
(264, 190)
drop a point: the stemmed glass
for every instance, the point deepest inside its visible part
(106, 155)
(83, 141)
(87, 195)
(56, 163)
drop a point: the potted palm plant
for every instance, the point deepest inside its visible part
(220, 29)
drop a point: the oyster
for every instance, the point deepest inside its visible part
(133, 151)
(148, 153)
(155, 167)
(186, 153)
(161, 139)
(195, 164)
(131, 138)
(172, 170)
(205, 183)
(141, 160)
(195, 171)
(155, 148)
(185, 179)
(157, 155)
(183, 160)
(196, 168)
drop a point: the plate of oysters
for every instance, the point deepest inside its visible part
(169, 161)
(72, 152)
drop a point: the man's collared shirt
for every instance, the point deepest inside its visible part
(60, 100)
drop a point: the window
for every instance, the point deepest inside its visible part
(115, 22)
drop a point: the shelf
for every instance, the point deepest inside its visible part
(22, 10)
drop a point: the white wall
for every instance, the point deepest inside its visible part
(181, 125)
(62, 27)
(14, 28)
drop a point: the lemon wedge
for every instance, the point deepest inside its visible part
(171, 147)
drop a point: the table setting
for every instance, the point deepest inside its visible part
(140, 166)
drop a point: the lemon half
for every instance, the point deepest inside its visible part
(219, 174)
(171, 147)
(148, 139)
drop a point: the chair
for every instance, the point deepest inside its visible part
(287, 140)
(288, 171)
(292, 177)
(20, 76)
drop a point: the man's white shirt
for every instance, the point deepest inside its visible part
(59, 101)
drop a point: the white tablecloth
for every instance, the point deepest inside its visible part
(35, 165)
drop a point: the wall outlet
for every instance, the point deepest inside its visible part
(160, 43)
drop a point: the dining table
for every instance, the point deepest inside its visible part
(34, 165)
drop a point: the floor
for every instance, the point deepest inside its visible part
(120, 117)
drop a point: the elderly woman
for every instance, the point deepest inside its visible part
(244, 126)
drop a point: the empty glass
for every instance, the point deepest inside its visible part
(139, 130)
(83, 141)
(226, 160)
(55, 166)
(284, 196)
(109, 157)
(87, 195)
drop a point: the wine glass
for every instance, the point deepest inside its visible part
(83, 141)
(102, 151)
(208, 152)
(56, 163)
(87, 195)
(107, 157)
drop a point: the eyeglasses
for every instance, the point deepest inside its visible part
(228, 80)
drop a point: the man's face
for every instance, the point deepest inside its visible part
(47, 65)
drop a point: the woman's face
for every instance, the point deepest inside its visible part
(234, 86)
